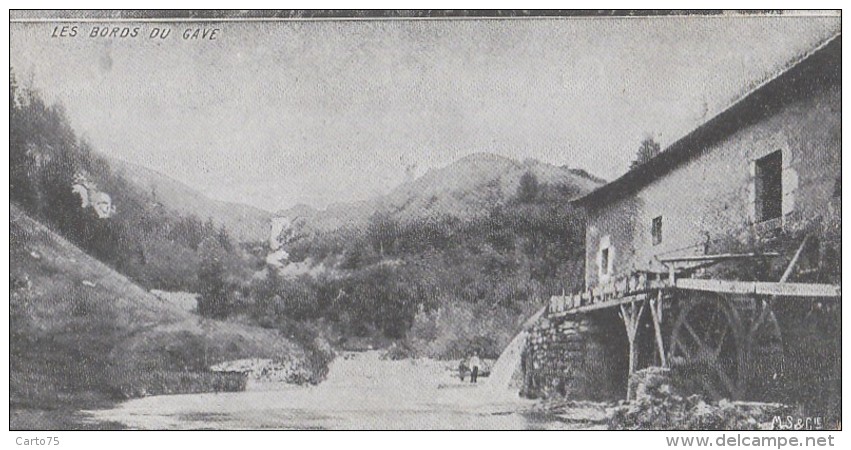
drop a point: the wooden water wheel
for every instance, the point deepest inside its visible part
(726, 346)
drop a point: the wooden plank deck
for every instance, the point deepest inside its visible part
(718, 257)
(761, 288)
(598, 298)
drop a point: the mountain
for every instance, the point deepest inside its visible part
(82, 334)
(472, 185)
(245, 223)
(465, 189)
(450, 262)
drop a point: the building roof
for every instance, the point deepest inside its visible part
(817, 67)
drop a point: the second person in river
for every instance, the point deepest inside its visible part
(474, 365)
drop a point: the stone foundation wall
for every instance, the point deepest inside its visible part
(585, 357)
(578, 358)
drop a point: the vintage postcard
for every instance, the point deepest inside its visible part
(421, 220)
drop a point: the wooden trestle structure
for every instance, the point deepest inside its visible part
(723, 329)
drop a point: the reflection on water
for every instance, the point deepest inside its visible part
(361, 392)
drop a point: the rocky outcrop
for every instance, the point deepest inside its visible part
(171, 383)
(258, 369)
(92, 197)
(658, 406)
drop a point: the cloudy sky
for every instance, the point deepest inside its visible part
(277, 113)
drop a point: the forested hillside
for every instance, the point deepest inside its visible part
(450, 262)
(155, 246)
(440, 285)
(85, 246)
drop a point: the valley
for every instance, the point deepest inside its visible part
(146, 295)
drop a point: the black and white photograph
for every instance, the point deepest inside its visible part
(425, 220)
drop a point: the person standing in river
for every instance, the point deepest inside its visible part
(474, 364)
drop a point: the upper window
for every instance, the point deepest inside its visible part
(604, 261)
(656, 230)
(769, 187)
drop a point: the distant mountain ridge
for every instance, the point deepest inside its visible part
(465, 189)
(244, 222)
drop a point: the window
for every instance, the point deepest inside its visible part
(604, 261)
(769, 187)
(656, 230)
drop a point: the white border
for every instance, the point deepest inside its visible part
(371, 440)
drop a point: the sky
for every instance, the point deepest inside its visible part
(273, 114)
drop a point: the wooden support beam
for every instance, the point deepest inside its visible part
(631, 318)
(794, 261)
(766, 303)
(656, 314)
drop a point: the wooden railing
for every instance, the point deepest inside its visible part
(621, 290)
(635, 287)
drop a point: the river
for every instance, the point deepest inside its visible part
(362, 391)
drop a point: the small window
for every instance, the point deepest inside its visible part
(604, 261)
(769, 187)
(656, 230)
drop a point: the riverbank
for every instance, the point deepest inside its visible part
(83, 336)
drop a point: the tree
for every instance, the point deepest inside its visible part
(529, 188)
(224, 239)
(20, 162)
(215, 300)
(382, 232)
(648, 150)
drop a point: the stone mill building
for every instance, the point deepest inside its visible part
(719, 258)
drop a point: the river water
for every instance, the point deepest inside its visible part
(362, 391)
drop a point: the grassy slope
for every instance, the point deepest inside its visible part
(75, 346)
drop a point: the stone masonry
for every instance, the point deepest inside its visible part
(576, 357)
